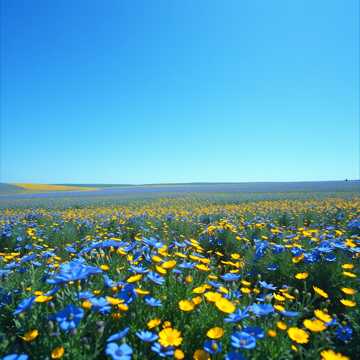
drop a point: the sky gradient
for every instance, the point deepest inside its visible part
(179, 91)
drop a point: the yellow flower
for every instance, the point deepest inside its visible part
(86, 304)
(169, 264)
(347, 266)
(43, 298)
(212, 296)
(200, 289)
(348, 291)
(104, 267)
(186, 305)
(281, 325)
(201, 355)
(123, 307)
(166, 324)
(279, 297)
(225, 306)
(58, 352)
(331, 355)
(179, 354)
(196, 300)
(246, 283)
(320, 292)
(302, 275)
(245, 290)
(271, 333)
(349, 274)
(134, 278)
(298, 335)
(153, 323)
(114, 301)
(314, 325)
(140, 291)
(279, 307)
(170, 337)
(30, 335)
(202, 267)
(189, 279)
(325, 317)
(215, 333)
(348, 303)
(160, 270)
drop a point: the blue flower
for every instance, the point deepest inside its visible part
(289, 313)
(156, 278)
(74, 270)
(24, 305)
(152, 301)
(262, 309)
(162, 351)
(139, 269)
(267, 286)
(119, 335)
(255, 331)
(260, 248)
(242, 340)
(153, 242)
(100, 305)
(212, 347)
(69, 317)
(344, 333)
(15, 357)
(230, 277)
(146, 336)
(128, 293)
(272, 267)
(237, 316)
(233, 355)
(119, 352)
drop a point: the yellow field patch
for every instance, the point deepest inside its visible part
(48, 187)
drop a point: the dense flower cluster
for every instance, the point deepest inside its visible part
(182, 279)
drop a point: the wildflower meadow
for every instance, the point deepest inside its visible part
(182, 279)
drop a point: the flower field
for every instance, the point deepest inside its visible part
(182, 279)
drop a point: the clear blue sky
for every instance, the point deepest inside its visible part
(178, 91)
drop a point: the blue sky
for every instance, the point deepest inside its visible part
(179, 91)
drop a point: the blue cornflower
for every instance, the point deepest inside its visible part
(255, 331)
(243, 340)
(156, 278)
(100, 305)
(15, 357)
(139, 269)
(233, 355)
(146, 336)
(289, 313)
(69, 317)
(344, 333)
(162, 351)
(119, 335)
(187, 265)
(272, 267)
(212, 346)
(237, 316)
(230, 277)
(24, 305)
(72, 271)
(127, 293)
(260, 248)
(153, 242)
(119, 352)
(152, 301)
(262, 309)
(267, 286)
